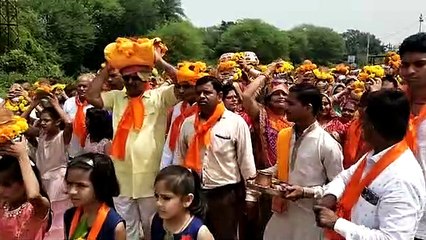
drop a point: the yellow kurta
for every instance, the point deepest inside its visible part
(141, 164)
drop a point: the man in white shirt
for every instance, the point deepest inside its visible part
(185, 87)
(413, 71)
(314, 158)
(383, 195)
(71, 108)
(224, 164)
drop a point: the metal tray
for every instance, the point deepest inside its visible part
(267, 190)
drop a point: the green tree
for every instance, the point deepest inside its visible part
(68, 27)
(267, 41)
(212, 37)
(325, 46)
(185, 42)
(356, 44)
(106, 16)
(299, 45)
(170, 10)
(139, 18)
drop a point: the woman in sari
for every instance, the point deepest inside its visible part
(329, 121)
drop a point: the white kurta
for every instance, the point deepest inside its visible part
(168, 156)
(70, 108)
(316, 158)
(421, 157)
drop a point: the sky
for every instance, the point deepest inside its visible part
(390, 20)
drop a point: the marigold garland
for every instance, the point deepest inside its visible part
(323, 75)
(371, 72)
(20, 106)
(13, 129)
(393, 60)
(285, 67)
(307, 66)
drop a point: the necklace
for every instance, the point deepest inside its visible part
(15, 212)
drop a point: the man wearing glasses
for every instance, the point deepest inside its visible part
(139, 122)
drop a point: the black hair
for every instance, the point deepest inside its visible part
(69, 89)
(389, 112)
(226, 89)
(182, 181)
(217, 85)
(11, 165)
(99, 124)
(102, 175)
(21, 81)
(306, 93)
(54, 115)
(414, 43)
(391, 79)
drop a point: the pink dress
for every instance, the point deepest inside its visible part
(51, 160)
(96, 147)
(20, 224)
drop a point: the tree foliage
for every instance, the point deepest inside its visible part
(267, 41)
(320, 44)
(185, 42)
(62, 38)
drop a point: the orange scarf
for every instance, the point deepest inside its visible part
(353, 147)
(279, 205)
(132, 118)
(201, 137)
(97, 224)
(177, 124)
(79, 126)
(413, 127)
(283, 153)
(357, 184)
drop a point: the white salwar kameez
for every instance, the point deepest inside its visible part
(316, 158)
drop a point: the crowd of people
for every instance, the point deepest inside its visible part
(130, 152)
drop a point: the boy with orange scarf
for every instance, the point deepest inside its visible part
(216, 143)
(139, 122)
(187, 75)
(413, 71)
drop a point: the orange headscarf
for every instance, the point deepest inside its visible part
(79, 126)
(357, 184)
(201, 137)
(132, 118)
(177, 123)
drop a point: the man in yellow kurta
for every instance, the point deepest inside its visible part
(139, 122)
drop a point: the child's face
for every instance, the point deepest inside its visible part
(10, 191)
(79, 187)
(169, 205)
(47, 123)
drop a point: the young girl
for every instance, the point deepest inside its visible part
(99, 128)
(24, 205)
(51, 158)
(91, 185)
(180, 206)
